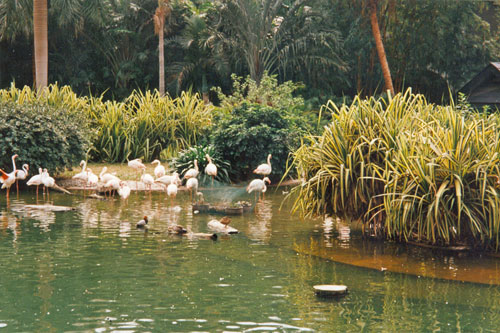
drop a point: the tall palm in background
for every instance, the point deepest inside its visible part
(200, 57)
(161, 13)
(271, 35)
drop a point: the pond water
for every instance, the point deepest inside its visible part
(92, 270)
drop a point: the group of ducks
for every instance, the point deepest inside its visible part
(8, 179)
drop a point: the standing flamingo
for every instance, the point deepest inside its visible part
(137, 165)
(258, 186)
(36, 180)
(193, 172)
(147, 179)
(192, 185)
(265, 168)
(47, 181)
(124, 190)
(211, 169)
(159, 169)
(172, 189)
(7, 179)
(82, 175)
(21, 174)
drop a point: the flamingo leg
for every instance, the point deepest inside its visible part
(17, 188)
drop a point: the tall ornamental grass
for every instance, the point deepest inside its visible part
(411, 170)
(142, 126)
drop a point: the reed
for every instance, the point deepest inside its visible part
(411, 170)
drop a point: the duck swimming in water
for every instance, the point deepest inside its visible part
(142, 223)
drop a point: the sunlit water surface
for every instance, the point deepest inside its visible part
(92, 270)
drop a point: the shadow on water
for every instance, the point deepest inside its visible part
(91, 269)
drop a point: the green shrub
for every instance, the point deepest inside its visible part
(43, 136)
(185, 161)
(247, 135)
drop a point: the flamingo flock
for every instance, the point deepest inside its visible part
(112, 184)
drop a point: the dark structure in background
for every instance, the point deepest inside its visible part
(484, 88)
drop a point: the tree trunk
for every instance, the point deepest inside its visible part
(41, 43)
(380, 46)
(161, 62)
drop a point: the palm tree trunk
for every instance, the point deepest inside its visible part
(41, 43)
(161, 62)
(380, 46)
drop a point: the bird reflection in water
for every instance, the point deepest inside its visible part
(260, 227)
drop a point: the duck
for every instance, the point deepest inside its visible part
(225, 220)
(142, 223)
(176, 229)
(265, 168)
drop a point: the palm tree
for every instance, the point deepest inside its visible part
(41, 43)
(199, 60)
(273, 36)
(380, 46)
(161, 13)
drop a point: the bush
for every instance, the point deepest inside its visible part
(246, 136)
(43, 136)
(185, 161)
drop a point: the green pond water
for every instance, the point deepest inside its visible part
(91, 270)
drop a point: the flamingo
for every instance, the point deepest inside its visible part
(36, 180)
(265, 168)
(137, 165)
(193, 172)
(159, 170)
(82, 175)
(113, 184)
(21, 174)
(192, 185)
(47, 181)
(124, 190)
(258, 185)
(147, 179)
(7, 179)
(92, 178)
(211, 169)
(172, 189)
(106, 176)
(167, 179)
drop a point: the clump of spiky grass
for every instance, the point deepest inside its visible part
(410, 169)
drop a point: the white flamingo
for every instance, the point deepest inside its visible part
(211, 169)
(82, 175)
(106, 176)
(36, 180)
(124, 190)
(192, 186)
(167, 179)
(21, 174)
(172, 189)
(137, 165)
(159, 169)
(265, 168)
(193, 172)
(113, 185)
(147, 179)
(47, 181)
(258, 186)
(92, 178)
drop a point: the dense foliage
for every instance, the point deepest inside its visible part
(110, 47)
(185, 161)
(43, 136)
(411, 170)
(247, 135)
